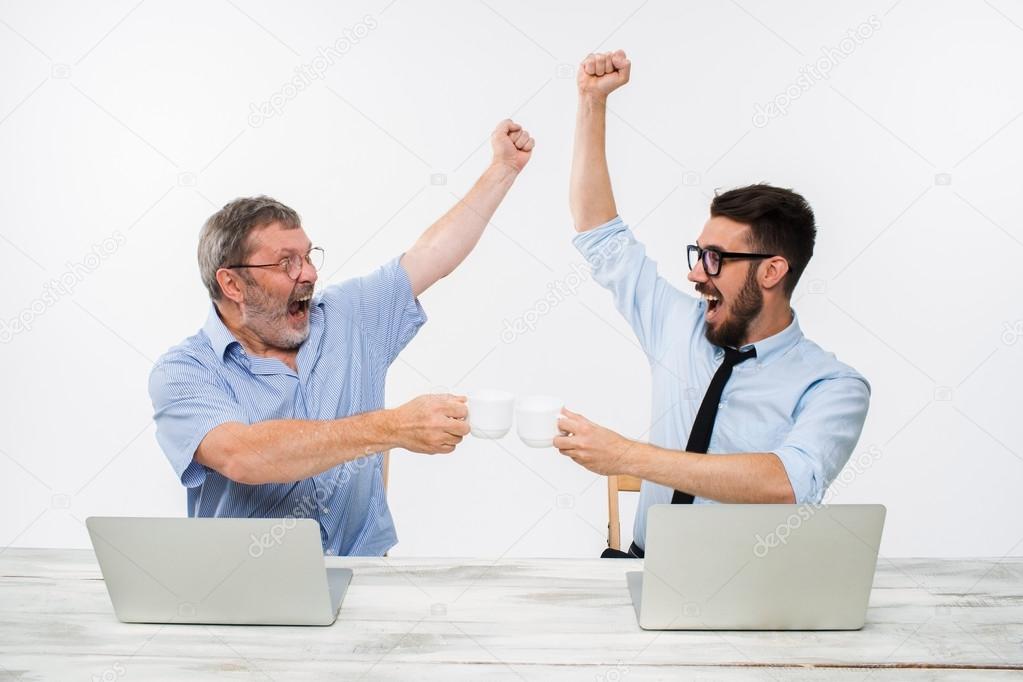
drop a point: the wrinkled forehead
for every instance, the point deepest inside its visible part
(725, 234)
(277, 240)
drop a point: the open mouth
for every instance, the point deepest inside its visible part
(713, 306)
(298, 309)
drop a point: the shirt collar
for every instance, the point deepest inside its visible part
(217, 332)
(773, 347)
(221, 338)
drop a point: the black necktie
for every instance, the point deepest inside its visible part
(703, 427)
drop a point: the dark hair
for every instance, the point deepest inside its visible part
(781, 222)
(225, 236)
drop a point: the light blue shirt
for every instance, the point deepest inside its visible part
(793, 399)
(356, 330)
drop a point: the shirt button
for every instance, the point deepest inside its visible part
(329, 552)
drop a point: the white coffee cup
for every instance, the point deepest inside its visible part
(490, 413)
(536, 419)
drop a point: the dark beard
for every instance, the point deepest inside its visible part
(748, 304)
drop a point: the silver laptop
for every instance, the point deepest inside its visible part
(213, 570)
(757, 566)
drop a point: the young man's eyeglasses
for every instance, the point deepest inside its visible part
(712, 257)
(291, 265)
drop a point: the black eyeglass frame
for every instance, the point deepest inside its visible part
(701, 254)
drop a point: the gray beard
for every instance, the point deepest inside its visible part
(269, 321)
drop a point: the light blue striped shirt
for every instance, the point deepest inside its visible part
(356, 330)
(794, 399)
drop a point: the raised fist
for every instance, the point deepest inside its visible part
(512, 144)
(602, 73)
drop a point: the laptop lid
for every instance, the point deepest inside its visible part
(759, 566)
(215, 570)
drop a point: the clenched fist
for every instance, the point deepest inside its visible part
(512, 145)
(431, 424)
(602, 73)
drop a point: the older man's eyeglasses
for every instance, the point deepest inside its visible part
(712, 258)
(291, 265)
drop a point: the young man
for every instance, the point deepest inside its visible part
(733, 374)
(275, 408)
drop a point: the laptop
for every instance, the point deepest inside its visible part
(757, 566)
(217, 570)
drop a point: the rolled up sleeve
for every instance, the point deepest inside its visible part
(828, 423)
(189, 401)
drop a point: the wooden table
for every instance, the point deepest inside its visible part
(514, 619)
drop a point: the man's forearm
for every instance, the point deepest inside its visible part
(448, 241)
(590, 195)
(287, 450)
(749, 477)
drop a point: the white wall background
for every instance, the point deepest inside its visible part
(130, 122)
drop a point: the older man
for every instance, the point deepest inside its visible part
(275, 408)
(733, 375)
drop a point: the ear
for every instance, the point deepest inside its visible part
(773, 272)
(230, 285)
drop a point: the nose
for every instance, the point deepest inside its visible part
(308, 274)
(698, 275)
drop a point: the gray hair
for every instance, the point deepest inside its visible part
(225, 236)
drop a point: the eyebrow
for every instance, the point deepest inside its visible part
(286, 251)
(710, 246)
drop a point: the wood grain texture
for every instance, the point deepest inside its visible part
(543, 619)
